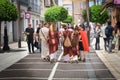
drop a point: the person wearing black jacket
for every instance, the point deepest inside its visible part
(38, 38)
(29, 31)
(109, 29)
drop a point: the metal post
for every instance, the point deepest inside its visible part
(19, 29)
(88, 19)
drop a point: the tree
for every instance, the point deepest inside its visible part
(8, 12)
(95, 15)
(55, 14)
(68, 20)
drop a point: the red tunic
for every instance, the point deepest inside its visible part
(53, 36)
(67, 50)
(84, 40)
(75, 42)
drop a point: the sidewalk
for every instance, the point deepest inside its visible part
(9, 58)
(111, 60)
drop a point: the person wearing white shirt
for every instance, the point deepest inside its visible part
(104, 36)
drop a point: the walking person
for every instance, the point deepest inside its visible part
(29, 31)
(104, 37)
(61, 35)
(84, 45)
(53, 42)
(75, 44)
(43, 34)
(66, 44)
(109, 33)
(37, 36)
(97, 36)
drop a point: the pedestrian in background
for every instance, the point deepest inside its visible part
(97, 36)
(37, 37)
(43, 34)
(104, 36)
(109, 33)
(53, 42)
(84, 45)
(61, 36)
(29, 31)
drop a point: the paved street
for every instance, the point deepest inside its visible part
(32, 67)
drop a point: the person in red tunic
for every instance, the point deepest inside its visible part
(75, 44)
(53, 42)
(84, 40)
(67, 50)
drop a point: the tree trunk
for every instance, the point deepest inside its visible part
(88, 20)
(94, 2)
(0, 35)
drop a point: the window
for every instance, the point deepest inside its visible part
(47, 3)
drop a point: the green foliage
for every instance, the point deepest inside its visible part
(55, 14)
(69, 19)
(8, 11)
(95, 15)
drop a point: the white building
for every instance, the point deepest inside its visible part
(36, 18)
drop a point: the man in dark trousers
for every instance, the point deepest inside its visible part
(109, 34)
(29, 31)
(38, 38)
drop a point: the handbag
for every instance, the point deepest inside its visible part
(96, 35)
(36, 44)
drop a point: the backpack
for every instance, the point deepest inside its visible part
(67, 42)
(107, 33)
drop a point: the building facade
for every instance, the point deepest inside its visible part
(35, 19)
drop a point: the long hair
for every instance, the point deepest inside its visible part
(82, 26)
(53, 27)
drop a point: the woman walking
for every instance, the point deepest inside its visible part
(43, 34)
(97, 36)
(83, 45)
(75, 44)
(53, 42)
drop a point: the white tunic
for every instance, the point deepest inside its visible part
(44, 45)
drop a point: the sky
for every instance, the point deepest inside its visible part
(91, 3)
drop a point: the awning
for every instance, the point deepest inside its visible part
(108, 4)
